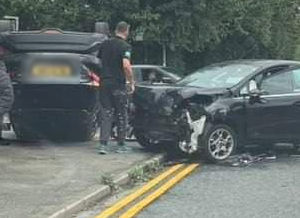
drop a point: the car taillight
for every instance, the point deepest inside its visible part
(88, 77)
(95, 80)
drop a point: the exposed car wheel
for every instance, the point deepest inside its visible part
(219, 142)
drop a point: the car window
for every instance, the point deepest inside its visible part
(277, 83)
(259, 78)
(152, 75)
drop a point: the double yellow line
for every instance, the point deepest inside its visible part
(181, 172)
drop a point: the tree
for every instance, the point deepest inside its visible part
(202, 30)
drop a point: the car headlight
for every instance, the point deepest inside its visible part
(166, 105)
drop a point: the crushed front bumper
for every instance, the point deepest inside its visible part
(190, 143)
(183, 131)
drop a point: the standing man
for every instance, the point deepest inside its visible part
(6, 93)
(115, 54)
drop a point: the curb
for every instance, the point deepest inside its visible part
(103, 192)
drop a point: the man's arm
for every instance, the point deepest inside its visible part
(127, 67)
(128, 70)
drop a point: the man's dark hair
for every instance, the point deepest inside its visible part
(122, 27)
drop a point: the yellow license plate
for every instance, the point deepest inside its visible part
(51, 71)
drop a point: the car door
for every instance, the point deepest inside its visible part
(275, 115)
(294, 114)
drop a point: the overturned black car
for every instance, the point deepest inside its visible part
(54, 74)
(222, 107)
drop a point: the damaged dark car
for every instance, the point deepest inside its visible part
(222, 107)
(55, 80)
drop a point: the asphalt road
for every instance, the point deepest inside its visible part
(264, 189)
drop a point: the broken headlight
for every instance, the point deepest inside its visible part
(166, 105)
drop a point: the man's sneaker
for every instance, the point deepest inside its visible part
(102, 149)
(271, 155)
(123, 148)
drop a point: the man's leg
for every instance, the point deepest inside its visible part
(120, 103)
(2, 141)
(106, 119)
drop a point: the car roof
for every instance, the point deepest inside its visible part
(261, 63)
(147, 66)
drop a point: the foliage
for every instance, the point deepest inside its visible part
(144, 173)
(199, 29)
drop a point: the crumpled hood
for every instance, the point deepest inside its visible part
(155, 97)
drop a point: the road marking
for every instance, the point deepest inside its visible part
(134, 210)
(130, 198)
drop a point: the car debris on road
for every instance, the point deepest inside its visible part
(246, 159)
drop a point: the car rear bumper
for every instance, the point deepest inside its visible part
(54, 111)
(55, 97)
(50, 116)
(52, 123)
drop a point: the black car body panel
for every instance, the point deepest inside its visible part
(161, 109)
(55, 83)
(51, 40)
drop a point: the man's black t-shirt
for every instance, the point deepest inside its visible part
(111, 54)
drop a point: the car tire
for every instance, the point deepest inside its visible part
(218, 142)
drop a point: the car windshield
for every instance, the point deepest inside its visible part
(218, 76)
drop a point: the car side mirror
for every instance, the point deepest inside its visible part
(167, 80)
(255, 96)
(257, 93)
